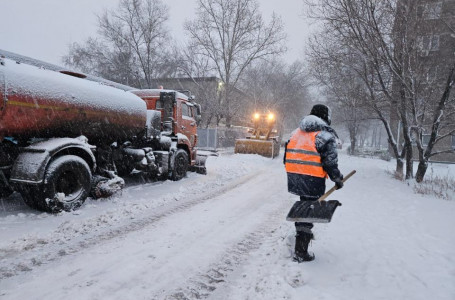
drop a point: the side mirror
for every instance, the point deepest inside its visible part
(198, 113)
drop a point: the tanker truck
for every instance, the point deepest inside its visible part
(63, 137)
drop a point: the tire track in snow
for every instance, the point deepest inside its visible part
(62, 243)
(203, 284)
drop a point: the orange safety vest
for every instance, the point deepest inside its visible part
(302, 156)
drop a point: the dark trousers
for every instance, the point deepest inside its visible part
(302, 226)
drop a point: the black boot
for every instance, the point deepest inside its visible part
(302, 240)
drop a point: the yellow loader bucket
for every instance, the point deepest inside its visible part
(267, 148)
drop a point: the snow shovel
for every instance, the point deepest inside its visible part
(319, 211)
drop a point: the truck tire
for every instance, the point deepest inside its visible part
(67, 183)
(180, 166)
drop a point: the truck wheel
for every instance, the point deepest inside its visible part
(180, 165)
(66, 186)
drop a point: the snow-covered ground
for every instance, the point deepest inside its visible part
(224, 236)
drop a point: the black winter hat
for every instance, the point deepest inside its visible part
(322, 111)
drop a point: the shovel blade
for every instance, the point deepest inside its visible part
(313, 211)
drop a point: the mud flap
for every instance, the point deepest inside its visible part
(199, 166)
(313, 211)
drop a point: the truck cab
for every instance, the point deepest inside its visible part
(179, 117)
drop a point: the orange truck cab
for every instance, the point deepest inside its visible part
(179, 117)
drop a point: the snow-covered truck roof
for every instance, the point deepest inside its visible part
(41, 64)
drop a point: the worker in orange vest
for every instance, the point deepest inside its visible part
(310, 157)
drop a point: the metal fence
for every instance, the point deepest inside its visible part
(207, 138)
(219, 137)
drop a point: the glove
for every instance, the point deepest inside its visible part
(339, 183)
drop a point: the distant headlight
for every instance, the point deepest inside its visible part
(271, 117)
(256, 116)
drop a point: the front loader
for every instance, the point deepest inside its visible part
(264, 138)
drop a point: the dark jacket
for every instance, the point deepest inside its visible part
(310, 187)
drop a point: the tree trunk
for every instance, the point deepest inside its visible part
(228, 121)
(421, 170)
(379, 142)
(208, 121)
(218, 120)
(353, 138)
(393, 144)
(406, 132)
(353, 142)
(373, 138)
(409, 162)
(399, 168)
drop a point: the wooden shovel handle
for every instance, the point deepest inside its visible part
(323, 197)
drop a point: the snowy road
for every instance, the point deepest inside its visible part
(223, 236)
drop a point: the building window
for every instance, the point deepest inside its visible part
(425, 139)
(432, 74)
(432, 11)
(428, 43)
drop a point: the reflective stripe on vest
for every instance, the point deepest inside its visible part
(302, 156)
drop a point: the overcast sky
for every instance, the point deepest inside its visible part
(43, 29)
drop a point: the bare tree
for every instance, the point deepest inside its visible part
(348, 100)
(132, 47)
(343, 87)
(445, 105)
(347, 48)
(383, 37)
(200, 71)
(232, 35)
